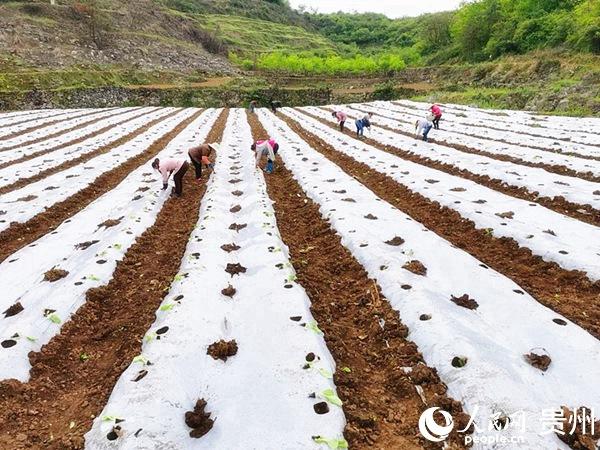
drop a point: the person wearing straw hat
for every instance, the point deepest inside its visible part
(200, 155)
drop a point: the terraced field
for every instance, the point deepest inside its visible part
(332, 304)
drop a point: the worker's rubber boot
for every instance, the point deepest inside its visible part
(270, 167)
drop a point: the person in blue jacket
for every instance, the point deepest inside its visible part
(363, 123)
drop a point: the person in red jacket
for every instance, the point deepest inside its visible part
(436, 110)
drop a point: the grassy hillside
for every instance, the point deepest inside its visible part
(248, 37)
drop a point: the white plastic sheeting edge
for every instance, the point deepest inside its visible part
(259, 398)
(493, 337)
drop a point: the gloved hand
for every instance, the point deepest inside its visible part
(165, 185)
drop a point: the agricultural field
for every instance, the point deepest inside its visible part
(369, 291)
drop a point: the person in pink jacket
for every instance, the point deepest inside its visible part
(268, 148)
(341, 118)
(172, 166)
(436, 110)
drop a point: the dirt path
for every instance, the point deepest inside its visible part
(380, 400)
(56, 408)
(570, 293)
(74, 141)
(585, 213)
(85, 157)
(19, 235)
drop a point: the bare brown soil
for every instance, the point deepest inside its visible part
(585, 213)
(570, 293)
(46, 125)
(19, 235)
(72, 142)
(109, 328)
(86, 157)
(552, 168)
(381, 402)
(222, 349)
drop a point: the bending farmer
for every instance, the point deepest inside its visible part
(169, 166)
(363, 123)
(267, 148)
(422, 128)
(341, 117)
(199, 156)
(437, 116)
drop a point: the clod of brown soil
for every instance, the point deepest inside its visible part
(321, 408)
(541, 362)
(222, 349)
(581, 438)
(506, 215)
(425, 317)
(8, 343)
(27, 198)
(110, 223)
(432, 181)
(355, 339)
(371, 217)
(235, 181)
(229, 291)
(458, 189)
(13, 310)
(235, 209)
(396, 242)
(235, 269)
(230, 248)
(550, 232)
(415, 267)
(465, 301)
(85, 245)
(237, 226)
(422, 374)
(55, 274)
(238, 193)
(199, 420)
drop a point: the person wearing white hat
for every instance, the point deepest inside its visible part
(200, 155)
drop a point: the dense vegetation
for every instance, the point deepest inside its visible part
(477, 31)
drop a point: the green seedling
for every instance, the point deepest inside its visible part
(167, 307)
(346, 369)
(331, 397)
(150, 337)
(83, 357)
(489, 232)
(54, 318)
(333, 444)
(117, 246)
(31, 339)
(92, 278)
(140, 359)
(313, 327)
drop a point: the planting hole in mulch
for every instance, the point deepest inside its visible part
(396, 242)
(518, 291)
(8, 343)
(230, 248)
(141, 374)
(238, 193)
(541, 362)
(311, 357)
(371, 217)
(55, 274)
(162, 330)
(237, 226)
(550, 232)
(296, 318)
(136, 198)
(432, 181)
(465, 301)
(343, 191)
(459, 361)
(114, 434)
(235, 209)
(506, 215)
(85, 245)
(349, 200)
(101, 261)
(480, 202)
(235, 181)
(51, 188)
(199, 420)
(235, 269)
(425, 317)
(143, 189)
(458, 189)
(406, 287)
(321, 408)
(229, 291)
(222, 349)
(13, 310)
(560, 322)
(415, 267)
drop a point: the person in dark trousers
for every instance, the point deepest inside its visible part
(252, 106)
(268, 148)
(423, 127)
(341, 117)
(436, 110)
(363, 123)
(200, 156)
(274, 105)
(175, 167)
